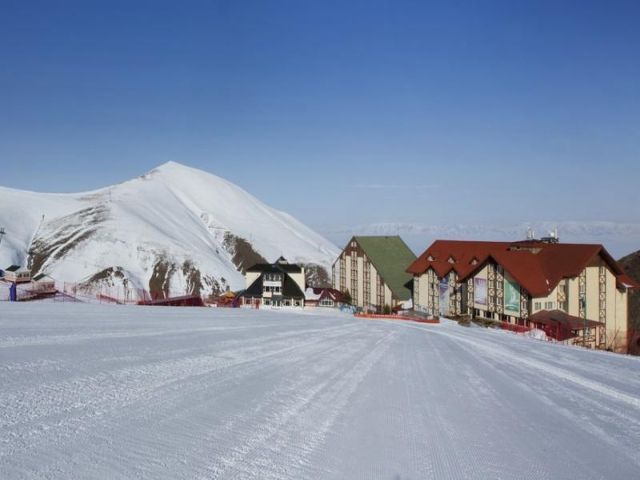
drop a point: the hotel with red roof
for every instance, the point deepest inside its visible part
(574, 292)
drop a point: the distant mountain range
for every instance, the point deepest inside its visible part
(175, 230)
(572, 229)
(619, 238)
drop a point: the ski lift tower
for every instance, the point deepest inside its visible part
(2, 234)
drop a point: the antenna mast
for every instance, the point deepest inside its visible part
(2, 234)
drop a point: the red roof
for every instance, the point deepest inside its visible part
(625, 280)
(560, 325)
(537, 266)
(330, 293)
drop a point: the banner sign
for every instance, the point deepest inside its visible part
(480, 291)
(511, 296)
(444, 297)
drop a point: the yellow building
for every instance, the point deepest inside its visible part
(17, 274)
(575, 291)
(372, 270)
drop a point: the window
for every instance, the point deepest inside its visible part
(326, 303)
(354, 279)
(297, 303)
(267, 289)
(548, 305)
(366, 283)
(537, 306)
(379, 291)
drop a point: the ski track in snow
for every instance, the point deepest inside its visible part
(116, 392)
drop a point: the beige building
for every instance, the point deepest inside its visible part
(17, 274)
(574, 292)
(43, 283)
(372, 270)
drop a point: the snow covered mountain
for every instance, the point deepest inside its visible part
(173, 230)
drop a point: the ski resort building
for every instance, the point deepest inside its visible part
(371, 269)
(17, 274)
(278, 284)
(574, 291)
(43, 283)
(324, 297)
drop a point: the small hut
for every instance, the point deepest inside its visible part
(43, 283)
(17, 274)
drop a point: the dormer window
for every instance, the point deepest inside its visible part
(451, 260)
(430, 258)
(474, 261)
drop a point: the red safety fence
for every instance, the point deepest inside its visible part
(79, 292)
(512, 327)
(408, 318)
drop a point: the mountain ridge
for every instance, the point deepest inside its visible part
(175, 229)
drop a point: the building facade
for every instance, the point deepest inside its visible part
(43, 283)
(371, 270)
(17, 274)
(278, 284)
(511, 281)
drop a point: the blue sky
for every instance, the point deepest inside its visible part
(341, 113)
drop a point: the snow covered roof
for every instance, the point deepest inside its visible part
(321, 293)
(275, 267)
(42, 277)
(310, 294)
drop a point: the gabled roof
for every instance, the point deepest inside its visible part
(390, 256)
(42, 276)
(537, 266)
(558, 317)
(330, 293)
(625, 281)
(275, 268)
(290, 288)
(461, 250)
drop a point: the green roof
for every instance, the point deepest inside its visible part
(391, 257)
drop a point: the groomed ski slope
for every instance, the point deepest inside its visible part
(112, 392)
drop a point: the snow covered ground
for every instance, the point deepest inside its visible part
(115, 392)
